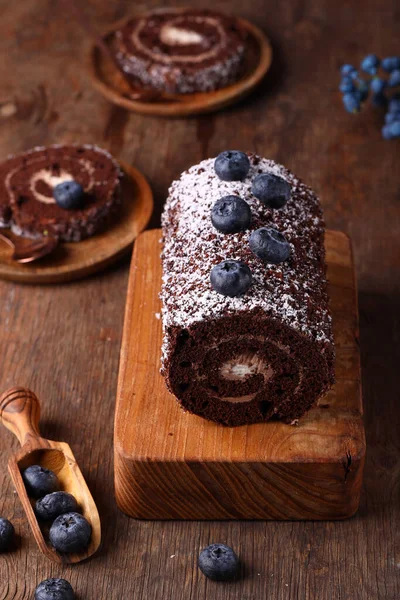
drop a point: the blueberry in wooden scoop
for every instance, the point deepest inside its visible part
(40, 481)
(70, 532)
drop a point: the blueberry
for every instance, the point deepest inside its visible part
(347, 85)
(370, 64)
(270, 245)
(55, 504)
(230, 214)
(70, 532)
(378, 85)
(351, 102)
(391, 131)
(392, 117)
(272, 190)
(40, 481)
(54, 589)
(390, 63)
(348, 70)
(219, 562)
(232, 165)
(69, 195)
(231, 278)
(394, 79)
(7, 532)
(394, 104)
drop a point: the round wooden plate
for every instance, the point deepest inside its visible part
(110, 82)
(76, 260)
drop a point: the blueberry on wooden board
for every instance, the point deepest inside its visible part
(272, 190)
(70, 533)
(231, 214)
(69, 195)
(40, 481)
(219, 562)
(7, 533)
(270, 245)
(231, 278)
(54, 589)
(53, 505)
(232, 165)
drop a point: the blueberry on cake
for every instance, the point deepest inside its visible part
(65, 191)
(181, 51)
(246, 322)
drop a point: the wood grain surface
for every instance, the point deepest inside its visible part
(63, 341)
(170, 464)
(20, 412)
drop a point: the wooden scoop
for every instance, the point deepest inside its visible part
(20, 412)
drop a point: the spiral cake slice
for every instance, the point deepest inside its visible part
(27, 184)
(268, 352)
(181, 51)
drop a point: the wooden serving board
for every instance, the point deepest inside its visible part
(108, 80)
(75, 260)
(173, 465)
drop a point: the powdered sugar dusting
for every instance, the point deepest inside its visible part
(293, 292)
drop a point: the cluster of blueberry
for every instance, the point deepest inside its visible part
(232, 214)
(70, 531)
(356, 89)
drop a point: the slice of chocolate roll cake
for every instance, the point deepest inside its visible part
(247, 328)
(66, 191)
(181, 51)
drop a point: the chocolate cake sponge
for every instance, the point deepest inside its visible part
(181, 51)
(268, 353)
(27, 182)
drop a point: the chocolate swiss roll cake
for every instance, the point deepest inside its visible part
(181, 51)
(246, 322)
(30, 186)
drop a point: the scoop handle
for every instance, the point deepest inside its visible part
(20, 413)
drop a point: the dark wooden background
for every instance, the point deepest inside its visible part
(63, 341)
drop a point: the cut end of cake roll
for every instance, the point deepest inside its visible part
(264, 353)
(181, 51)
(29, 204)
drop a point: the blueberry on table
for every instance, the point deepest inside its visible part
(394, 105)
(54, 589)
(394, 79)
(7, 533)
(53, 505)
(69, 195)
(370, 64)
(347, 85)
(70, 532)
(390, 63)
(378, 85)
(272, 190)
(40, 481)
(348, 70)
(270, 245)
(231, 278)
(391, 117)
(352, 102)
(231, 214)
(391, 131)
(219, 562)
(232, 165)
(379, 100)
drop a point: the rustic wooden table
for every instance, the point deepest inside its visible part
(63, 341)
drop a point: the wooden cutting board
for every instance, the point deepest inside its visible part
(173, 465)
